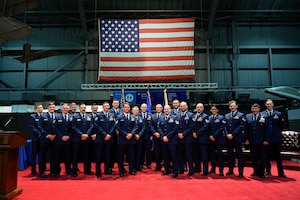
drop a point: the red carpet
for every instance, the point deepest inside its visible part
(149, 184)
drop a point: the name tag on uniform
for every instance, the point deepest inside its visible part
(236, 117)
(141, 121)
(171, 120)
(217, 121)
(186, 118)
(275, 117)
(79, 120)
(59, 120)
(262, 120)
(88, 119)
(37, 120)
(199, 119)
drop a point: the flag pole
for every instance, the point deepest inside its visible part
(166, 97)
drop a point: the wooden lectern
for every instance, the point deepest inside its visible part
(9, 153)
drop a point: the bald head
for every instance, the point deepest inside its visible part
(183, 106)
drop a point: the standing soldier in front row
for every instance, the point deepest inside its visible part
(200, 134)
(63, 140)
(217, 125)
(274, 125)
(34, 122)
(257, 136)
(148, 137)
(126, 127)
(235, 124)
(167, 127)
(48, 133)
(185, 138)
(139, 138)
(82, 127)
(156, 137)
(105, 128)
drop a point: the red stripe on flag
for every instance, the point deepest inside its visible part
(145, 78)
(141, 68)
(165, 30)
(171, 20)
(138, 59)
(154, 49)
(176, 39)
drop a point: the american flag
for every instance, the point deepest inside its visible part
(146, 50)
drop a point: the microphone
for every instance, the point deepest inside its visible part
(8, 122)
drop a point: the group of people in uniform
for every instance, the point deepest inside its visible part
(179, 140)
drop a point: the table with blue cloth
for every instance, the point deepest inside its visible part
(25, 156)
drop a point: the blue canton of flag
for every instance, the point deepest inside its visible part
(119, 35)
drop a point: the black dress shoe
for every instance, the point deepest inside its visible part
(165, 173)
(253, 174)
(204, 174)
(88, 173)
(57, 175)
(229, 173)
(69, 173)
(240, 176)
(180, 171)
(282, 175)
(157, 169)
(221, 174)
(132, 173)
(42, 175)
(34, 173)
(174, 175)
(109, 173)
(262, 176)
(98, 175)
(148, 166)
(212, 171)
(190, 174)
(121, 174)
(268, 173)
(74, 175)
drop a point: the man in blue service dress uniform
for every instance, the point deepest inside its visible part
(63, 140)
(126, 127)
(274, 123)
(139, 137)
(200, 134)
(82, 126)
(235, 126)
(185, 138)
(148, 131)
(34, 123)
(257, 136)
(167, 127)
(156, 137)
(217, 125)
(105, 128)
(48, 133)
(116, 111)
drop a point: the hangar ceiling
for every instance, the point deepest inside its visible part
(208, 13)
